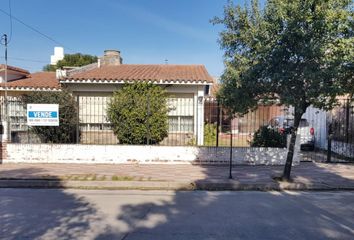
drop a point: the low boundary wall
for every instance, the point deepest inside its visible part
(342, 148)
(123, 154)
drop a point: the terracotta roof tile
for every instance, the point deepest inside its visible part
(35, 80)
(15, 69)
(133, 72)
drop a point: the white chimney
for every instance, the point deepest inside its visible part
(58, 55)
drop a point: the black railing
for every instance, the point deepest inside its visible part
(184, 129)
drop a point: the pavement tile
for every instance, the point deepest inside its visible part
(307, 175)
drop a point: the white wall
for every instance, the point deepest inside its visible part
(119, 154)
(318, 120)
(343, 148)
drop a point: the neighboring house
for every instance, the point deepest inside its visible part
(19, 82)
(94, 84)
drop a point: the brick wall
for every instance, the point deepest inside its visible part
(3, 151)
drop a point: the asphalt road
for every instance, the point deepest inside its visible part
(155, 215)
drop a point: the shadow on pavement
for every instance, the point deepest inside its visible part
(240, 215)
(45, 214)
(61, 214)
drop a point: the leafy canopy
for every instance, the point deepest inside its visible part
(138, 113)
(298, 51)
(71, 60)
(68, 116)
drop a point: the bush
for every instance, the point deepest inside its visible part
(268, 137)
(210, 134)
(68, 116)
(138, 113)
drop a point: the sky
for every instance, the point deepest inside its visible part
(145, 31)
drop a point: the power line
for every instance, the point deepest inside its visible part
(35, 30)
(10, 38)
(25, 59)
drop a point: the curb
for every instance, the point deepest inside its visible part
(176, 186)
(113, 185)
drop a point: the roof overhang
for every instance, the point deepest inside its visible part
(105, 81)
(26, 89)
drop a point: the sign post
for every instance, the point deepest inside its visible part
(42, 114)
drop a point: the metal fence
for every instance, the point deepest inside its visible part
(341, 129)
(217, 128)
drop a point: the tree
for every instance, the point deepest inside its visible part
(297, 52)
(138, 113)
(68, 116)
(71, 60)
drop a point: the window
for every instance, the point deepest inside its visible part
(173, 124)
(180, 124)
(181, 113)
(186, 124)
(92, 110)
(95, 126)
(17, 115)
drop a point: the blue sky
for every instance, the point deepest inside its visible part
(145, 31)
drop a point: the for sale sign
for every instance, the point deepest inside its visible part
(42, 114)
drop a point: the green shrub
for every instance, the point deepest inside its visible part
(210, 134)
(138, 113)
(68, 117)
(268, 137)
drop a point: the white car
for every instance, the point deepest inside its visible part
(305, 131)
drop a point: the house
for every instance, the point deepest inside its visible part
(93, 85)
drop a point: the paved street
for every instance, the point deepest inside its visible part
(129, 215)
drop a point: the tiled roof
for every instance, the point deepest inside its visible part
(39, 80)
(153, 73)
(15, 69)
(215, 88)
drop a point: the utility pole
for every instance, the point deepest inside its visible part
(6, 118)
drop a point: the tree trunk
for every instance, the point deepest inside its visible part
(290, 155)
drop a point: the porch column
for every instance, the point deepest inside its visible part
(200, 115)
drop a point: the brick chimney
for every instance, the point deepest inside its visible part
(110, 58)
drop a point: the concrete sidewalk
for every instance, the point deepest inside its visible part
(307, 176)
